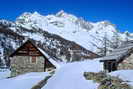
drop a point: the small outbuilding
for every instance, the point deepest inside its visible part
(30, 58)
(119, 58)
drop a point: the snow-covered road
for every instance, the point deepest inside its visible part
(70, 76)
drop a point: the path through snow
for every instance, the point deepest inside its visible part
(70, 76)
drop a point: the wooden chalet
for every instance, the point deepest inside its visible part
(30, 58)
(119, 58)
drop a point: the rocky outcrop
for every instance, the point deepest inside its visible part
(127, 63)
(106, 81)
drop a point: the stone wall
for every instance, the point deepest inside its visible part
(127, 63)
(23, 64)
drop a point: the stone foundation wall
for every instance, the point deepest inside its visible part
(23, 64)
(127, 63)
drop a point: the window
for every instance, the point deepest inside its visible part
(33, 59)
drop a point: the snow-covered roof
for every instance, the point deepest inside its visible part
(119, 52)
(55, 63)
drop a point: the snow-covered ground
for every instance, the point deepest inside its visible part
(70, 76)
(26, 81)
(4, 73)
(126, 75)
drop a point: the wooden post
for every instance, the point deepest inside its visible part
(45, 64)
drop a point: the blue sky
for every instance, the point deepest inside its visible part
(119, 12)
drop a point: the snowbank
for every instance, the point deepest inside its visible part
(4, 73)
(125, 75)
(70, 76)
(26, 81)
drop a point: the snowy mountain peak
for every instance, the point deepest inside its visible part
(106, 23)
(68, 16)
(36, 13)
(24, 15)
(27, 17)
(60, 13)
(28, 14)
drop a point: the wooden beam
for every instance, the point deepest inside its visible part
(27, 55)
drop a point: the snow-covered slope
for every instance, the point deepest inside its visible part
(70, 76)
(54, 45)
(126, 75)
(4, 73)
